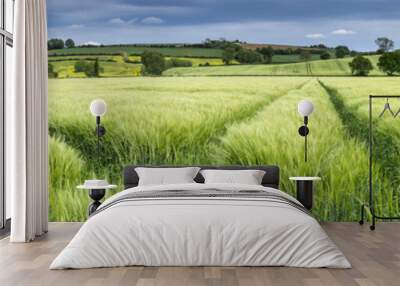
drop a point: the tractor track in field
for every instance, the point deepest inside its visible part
(358, 128)
(222, 132)
(308, 68)
(342, 67)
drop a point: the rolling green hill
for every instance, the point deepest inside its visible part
(65, 69)
(335, 67)
(137, 50)
(285, 59)
(114, 65)
(107, 52)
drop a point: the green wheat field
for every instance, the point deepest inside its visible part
(225, 120)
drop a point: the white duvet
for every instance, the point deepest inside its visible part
(202, 232)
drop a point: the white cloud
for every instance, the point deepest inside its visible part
(119, 21)
(116, 21)
(131, 21)
(151, 9)
(76, 26)
(152, 20)
(343, 32)
(315, 36)
(76, 11)
(91, 43)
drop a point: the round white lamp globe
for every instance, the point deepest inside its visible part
(98, 107)
(305, 107)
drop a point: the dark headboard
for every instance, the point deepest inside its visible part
(271, 177)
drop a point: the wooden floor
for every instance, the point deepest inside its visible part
(375, 257)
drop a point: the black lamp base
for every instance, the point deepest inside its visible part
(96, 195)
(100, 131)
(304, 193)
(303, 130)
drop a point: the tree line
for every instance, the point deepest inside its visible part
(53, 44)
(389, 61)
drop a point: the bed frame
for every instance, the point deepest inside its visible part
(271, 177)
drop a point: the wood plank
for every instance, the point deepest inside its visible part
(375, 257)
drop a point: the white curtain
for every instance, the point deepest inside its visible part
(27, 124)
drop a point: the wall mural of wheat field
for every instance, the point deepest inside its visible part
(218, 83)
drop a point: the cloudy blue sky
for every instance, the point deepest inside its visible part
(356, 23)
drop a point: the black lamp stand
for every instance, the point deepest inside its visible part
(303, 131)
(97, 194)
(100, 131)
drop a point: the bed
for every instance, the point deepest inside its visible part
(198, 224)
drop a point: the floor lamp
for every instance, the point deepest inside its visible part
(98, 108)
(305, 108)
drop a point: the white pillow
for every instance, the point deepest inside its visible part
(166, 176)
(248, 177)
